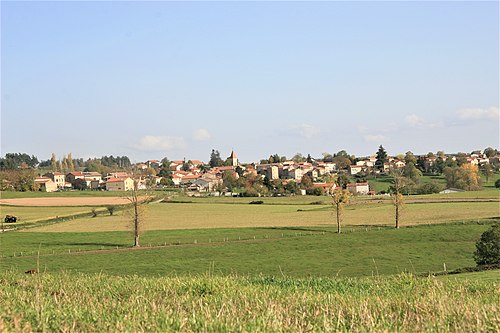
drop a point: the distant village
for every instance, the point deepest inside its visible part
(274, 175)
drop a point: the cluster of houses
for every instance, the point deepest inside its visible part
(57, 181)
(195, 176)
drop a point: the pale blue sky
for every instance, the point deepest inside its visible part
(176, 79)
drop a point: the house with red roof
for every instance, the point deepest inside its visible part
(119, 184)
(45, 184)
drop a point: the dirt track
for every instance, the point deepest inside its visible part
(39, 202)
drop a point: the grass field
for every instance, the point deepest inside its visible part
(274, 251)
(220, 264)
(88, 193)
(33, 214)
(165, 216)
(102, 303)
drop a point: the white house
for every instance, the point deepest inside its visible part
(358, 188)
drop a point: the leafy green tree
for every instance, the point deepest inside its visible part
(150, 172)
(306, 182)
(490, 152)
(411, 172)
(465, 177)
(342, 162)
(18, 160)
(488, 247)
(309, 158)
(487, 171)
(229, 180)
(292, 187)
(166, 181)
(381, 158)
(429, 188)
(342, 181)
(439, 165)
(327, 157)
(410, 158)
(297, 158)
(80, 184)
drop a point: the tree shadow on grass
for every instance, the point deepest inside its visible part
(89, 244)
(298, 229)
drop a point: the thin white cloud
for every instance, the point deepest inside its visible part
(379, 138)
(306, 131)
(160, 143)
(415, 121)
(479, 113)
(201, 134)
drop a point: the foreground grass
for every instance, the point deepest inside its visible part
(102, 303)
(298, 252)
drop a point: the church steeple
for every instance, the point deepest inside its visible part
(234, 159)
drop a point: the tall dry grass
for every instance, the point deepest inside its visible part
(98, 303)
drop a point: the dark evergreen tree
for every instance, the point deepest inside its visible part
(381, 158)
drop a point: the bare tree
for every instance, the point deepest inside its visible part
(340, 198)
(399, 182)
(136, 201)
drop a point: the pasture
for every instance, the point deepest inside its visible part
(30, 214)
(200, 214)
(297, 252)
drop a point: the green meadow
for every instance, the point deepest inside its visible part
(222, 264)
(298, 252)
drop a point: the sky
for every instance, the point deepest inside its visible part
(177, 79)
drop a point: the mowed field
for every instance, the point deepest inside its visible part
(169, 216)
(65, 201)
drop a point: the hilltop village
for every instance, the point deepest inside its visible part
(273, 176)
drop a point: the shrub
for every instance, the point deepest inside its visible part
(111, 209)
(315, 191)
(497, 183)
(488, 247)
(256, 202)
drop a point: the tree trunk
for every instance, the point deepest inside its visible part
(136, 224)
(338, 219)
(397, 210)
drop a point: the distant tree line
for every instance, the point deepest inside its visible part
(18, 160)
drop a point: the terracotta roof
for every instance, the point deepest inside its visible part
(55, 173)
(357, 184)
(42, 180)
(324, 185)
(114, 180)
(191, 177)
(74, 173)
